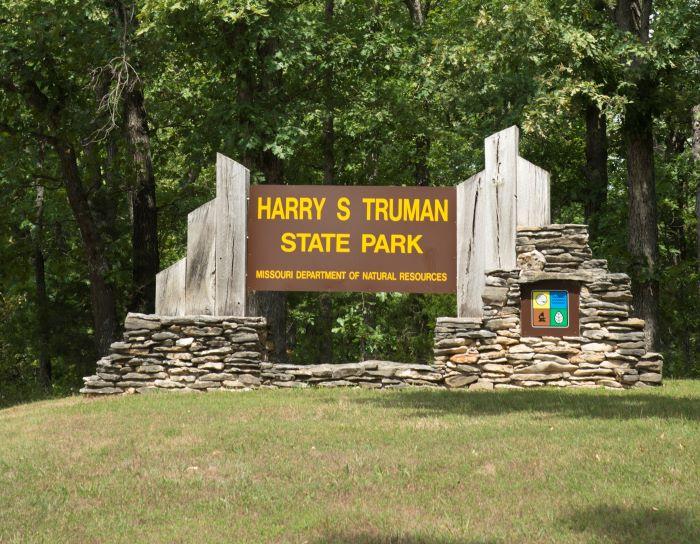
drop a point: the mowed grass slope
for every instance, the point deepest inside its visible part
(351, 466)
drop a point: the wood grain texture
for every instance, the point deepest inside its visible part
(533, 197)
(500, 183)
(471, 246)
(232, 187)
(200, 281)
(170, 289)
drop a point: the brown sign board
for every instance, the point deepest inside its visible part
(336, 238)
(550, 308)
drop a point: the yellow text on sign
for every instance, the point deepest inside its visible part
(406, 209)
(319, 242)
(339, 242)
(291, 207)
(392, 243)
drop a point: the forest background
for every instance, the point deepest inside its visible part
(112, 112)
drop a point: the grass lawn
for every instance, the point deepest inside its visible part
(350, 465)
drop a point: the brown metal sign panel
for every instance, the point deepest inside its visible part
(549, 308)
(336, 238)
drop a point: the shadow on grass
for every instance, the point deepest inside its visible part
(574, 404)
(10, 398)
(371, 538)
(611, 524)
(619, 525)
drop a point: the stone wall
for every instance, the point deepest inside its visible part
(190, 353)
(371, 374)
(206, 353)
(491, 353)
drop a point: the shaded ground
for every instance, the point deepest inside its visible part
(356, 466)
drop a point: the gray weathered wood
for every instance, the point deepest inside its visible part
(170, 289)
(490, 205)
(200, 281)
(533, 197)
(471, 246)
(232, 187)
(509, 192)
(500, 181)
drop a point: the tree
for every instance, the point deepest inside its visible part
(110, 104)
(633, 17)
(596, 170)
(48, 113)
(325, 300)
(126, 87)
(42, 302)
(696, 158)
(418, 13)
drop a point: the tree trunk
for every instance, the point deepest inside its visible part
(596, 170)
(675, 146)
(328, 145)
(633, 16)
(642, 225)
(145, 261)
(42, 303)
(101, 292)
(324, 323)
(144, 228)
(696, 157)
(421, 170)
(415, 10)
(272, 305)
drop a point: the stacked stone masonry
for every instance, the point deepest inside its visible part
(205, 353)
(490, 353)
(370, 374)
(210, 353)
(190, 353)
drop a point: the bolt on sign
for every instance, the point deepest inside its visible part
(550, 308)
(335, 238)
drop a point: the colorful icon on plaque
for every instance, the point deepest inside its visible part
(550, 309)
(540, 299)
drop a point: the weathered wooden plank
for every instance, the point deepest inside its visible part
(533, 197)
(471, 246)
(170, 289)
(500, 183)
(232, 186)
(200, 281)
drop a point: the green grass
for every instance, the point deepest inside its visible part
(351, 466)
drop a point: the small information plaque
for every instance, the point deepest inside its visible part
(550, 308)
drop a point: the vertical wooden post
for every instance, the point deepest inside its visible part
(200, 284)
(510, 192)
(500, 175)
(232, 188)
(170, 289)
(471, 246)
(533, 195)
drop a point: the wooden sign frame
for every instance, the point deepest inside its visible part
(509, 192)
(528, 328)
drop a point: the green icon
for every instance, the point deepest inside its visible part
(559, 317)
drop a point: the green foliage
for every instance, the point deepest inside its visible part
(393, 326)
(258, 79)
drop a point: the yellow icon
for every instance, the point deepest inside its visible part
(540, 300)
